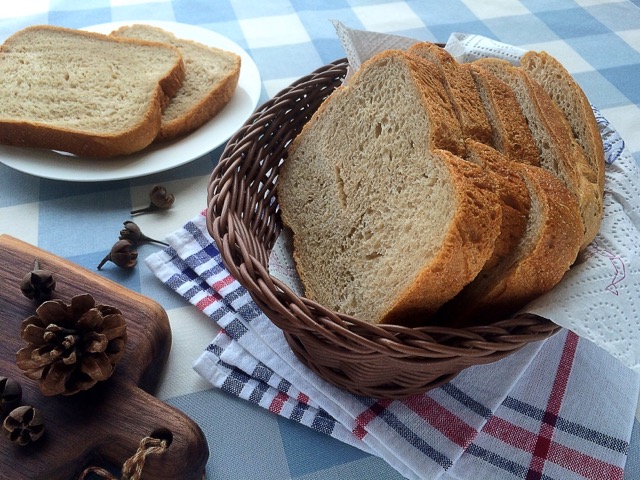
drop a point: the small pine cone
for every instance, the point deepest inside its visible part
(71, 347)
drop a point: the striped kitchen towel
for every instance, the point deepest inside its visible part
(555, 409)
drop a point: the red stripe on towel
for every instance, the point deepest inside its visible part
(369, 414)
(278, 402)
(446, 422)
(558, 389)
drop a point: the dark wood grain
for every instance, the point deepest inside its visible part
(104, 425)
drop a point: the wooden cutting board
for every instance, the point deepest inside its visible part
(104, 425)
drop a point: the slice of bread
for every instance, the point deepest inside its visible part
(548, 246)
(460, 89)
(511, 135)
(387, 223)
(559, 152)
(211, 79)
(513, 199)
(84, 93)
(567, 94)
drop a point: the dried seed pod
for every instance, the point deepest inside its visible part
(24, 425)
(132, 232)
(122, 254)
(160, 200)
(10, 394)
(38, 284)
(71, 347)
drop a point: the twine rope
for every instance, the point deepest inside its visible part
(133, 466)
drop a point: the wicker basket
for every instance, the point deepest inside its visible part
(380, 361)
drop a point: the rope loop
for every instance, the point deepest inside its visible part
(133, 466)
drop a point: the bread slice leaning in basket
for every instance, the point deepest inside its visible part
(388, 224)
(513, 197)
(211, 79)
(510, 133)
(84, 93)
(567, 94)
(548, 244)
(461, 90)
(559, 152)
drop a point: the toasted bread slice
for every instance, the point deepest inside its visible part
(84, 93)
(211, 79)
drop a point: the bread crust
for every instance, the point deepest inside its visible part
(536, 264)
(42, 134)
(446, 131)
(538, 270)
(203, 111)
(584, 186)
(513, 197)
(560, 153)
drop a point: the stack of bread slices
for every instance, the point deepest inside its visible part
(428, 191)
(108, 95)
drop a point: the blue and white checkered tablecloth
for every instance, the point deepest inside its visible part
(597, 40)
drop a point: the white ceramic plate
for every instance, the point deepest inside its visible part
(156, 158)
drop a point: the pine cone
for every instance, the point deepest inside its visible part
(71, 347)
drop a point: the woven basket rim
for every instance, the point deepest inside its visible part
(243, 219)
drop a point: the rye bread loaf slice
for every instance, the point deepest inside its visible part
(537, 261)
(559, 152)
(460, 89)
(210, 81)
(510, 133)
(554, 78)
(387, 223)
(84, 93)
